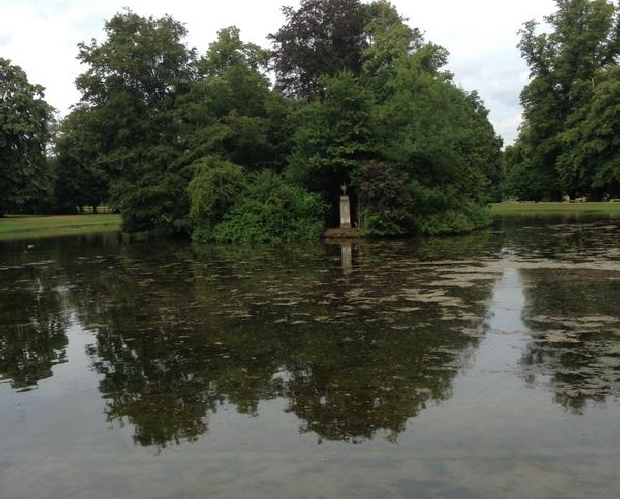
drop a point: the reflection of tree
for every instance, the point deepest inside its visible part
(365, 387)
(32, 325)
(147, 383)
(162, 369)
(575, 335)
(178, 335)
(34, 313)
(560, 237)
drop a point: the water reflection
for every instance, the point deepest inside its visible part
(361, 354)
(349, 255)
(33, 323)
(570, 271)
(356, 343)
(575, 326)
(38, 280)
(459, 349)
(505, 314)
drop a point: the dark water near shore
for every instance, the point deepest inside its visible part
(480, 366)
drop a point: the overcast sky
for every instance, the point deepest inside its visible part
(41, 36)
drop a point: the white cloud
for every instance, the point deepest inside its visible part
(508, 128)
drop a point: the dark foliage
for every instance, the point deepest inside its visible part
(322, 37)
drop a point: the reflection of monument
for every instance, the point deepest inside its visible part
(349, 255)
(346, 256)
(345, 208)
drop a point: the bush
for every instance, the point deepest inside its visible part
(387, 206)
(270, 210)
(157, 201)
(465, 219)
(216, 185)
(394, 205)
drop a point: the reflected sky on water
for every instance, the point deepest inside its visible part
(486, 365)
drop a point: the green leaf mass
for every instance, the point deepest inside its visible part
(207, 145)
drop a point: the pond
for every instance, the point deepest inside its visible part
(478, 366)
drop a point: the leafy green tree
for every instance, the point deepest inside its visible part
(25, 129)
(80, 180)
(590, 161)
(322, 37)
(430, 135)
(583, 42)
(387, 207)
(234, 77)
(132, 85)
(390, 39)
(481, 149)
(226, 112)
(414, 145)
(333, 135)
(280, 130)
(433, 137)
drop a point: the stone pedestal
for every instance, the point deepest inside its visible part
(345, 212)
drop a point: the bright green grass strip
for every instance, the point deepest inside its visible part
(502, 209)
(17, 227)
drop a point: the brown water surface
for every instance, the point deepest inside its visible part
(480, 366)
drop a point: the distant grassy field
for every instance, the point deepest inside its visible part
(511, 208)
(17, 226)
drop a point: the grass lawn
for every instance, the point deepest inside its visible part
(512, 208)
(21, 227)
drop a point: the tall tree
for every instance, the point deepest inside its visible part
(436, 139)
(590, 161)
(425, 126)
(565, 63)
(322, 37)
(132, 85)
(80, 179)
(25, 120)
(225, 114)
(390, 38)
(333, 134)
(413, 144)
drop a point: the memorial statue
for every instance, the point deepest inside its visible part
(345, 208)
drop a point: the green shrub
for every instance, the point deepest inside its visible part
(387, 205)
(270, 210)
(156, 201)
(465, 219)
(216, 185)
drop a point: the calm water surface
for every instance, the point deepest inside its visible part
(482, 366)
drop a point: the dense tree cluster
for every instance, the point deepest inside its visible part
(25, 127)
(205, 144)
(569, 142)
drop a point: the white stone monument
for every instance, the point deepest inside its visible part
(345, 208)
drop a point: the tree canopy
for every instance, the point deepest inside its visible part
(322, 37)
(80, 178)
(567, 144)
(133, 82)
(205, 144)
(399, 121)
(25, 131)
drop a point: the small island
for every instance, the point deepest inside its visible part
(246, 144)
